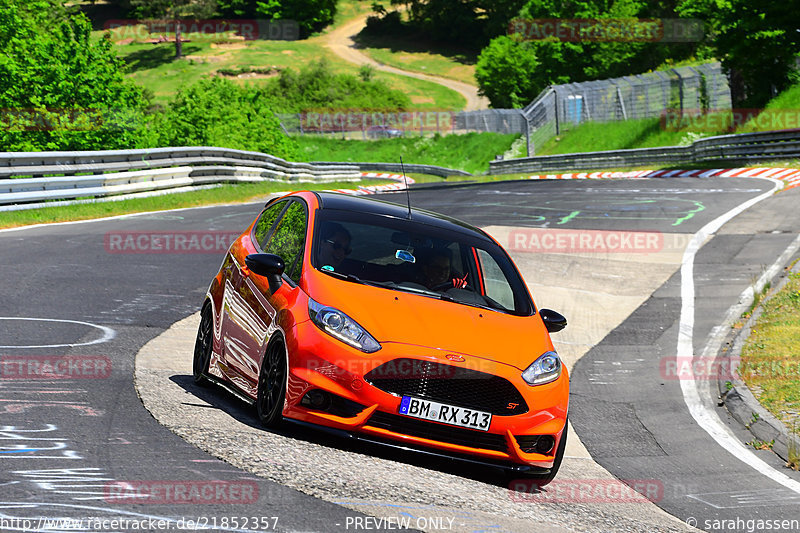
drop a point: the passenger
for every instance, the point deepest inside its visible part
(334, 245)
(436, 270)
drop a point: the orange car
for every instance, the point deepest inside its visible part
(388, 324)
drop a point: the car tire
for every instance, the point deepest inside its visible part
(202, 347)
(272, 386)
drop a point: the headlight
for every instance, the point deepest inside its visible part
(339, 325)
(545, 369)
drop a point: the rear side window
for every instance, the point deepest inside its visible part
(289, 239)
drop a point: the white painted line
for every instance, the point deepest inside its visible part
(700, 408)
(108, 333)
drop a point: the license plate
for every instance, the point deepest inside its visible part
(446, 414)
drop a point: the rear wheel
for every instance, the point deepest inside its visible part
(202, 347)
(272, 386)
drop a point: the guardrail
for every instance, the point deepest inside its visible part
(742, 147)
(27, 177)
(397, 167)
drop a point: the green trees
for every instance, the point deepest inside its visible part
(311, 15)
(506, 73)
(174, 10)
(516, 66)
(757, 40)
(59, 90)
(467, 23)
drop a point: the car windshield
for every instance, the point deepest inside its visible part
(405, 255)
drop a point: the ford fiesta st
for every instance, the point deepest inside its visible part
(388, 324)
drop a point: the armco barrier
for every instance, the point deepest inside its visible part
(397, 167)
(760, 146)
(40, 176)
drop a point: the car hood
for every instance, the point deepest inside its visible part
(402, 317)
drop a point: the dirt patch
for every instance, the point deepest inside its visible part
(422, 100)
(209, 59)
(230, 46)
(250, 75)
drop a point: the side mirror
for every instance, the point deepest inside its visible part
(270, 266)
(553, 321)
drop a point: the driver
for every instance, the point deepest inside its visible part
(436, 270)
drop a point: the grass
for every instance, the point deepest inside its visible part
(471, 152)
(771, 356)
(598, 136)
(154, 67)
(420, 55)
(773, 118)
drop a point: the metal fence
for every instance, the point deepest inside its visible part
(557, 108)
(376, 125)
(631, 97)
(28, 179)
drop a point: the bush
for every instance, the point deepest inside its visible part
(59, 89)
(506, 73)
(317, 88)
(218, 112)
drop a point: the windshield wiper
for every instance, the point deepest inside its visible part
(353, 278)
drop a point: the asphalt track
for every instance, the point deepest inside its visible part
(62, 442)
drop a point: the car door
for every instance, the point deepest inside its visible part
(287, 239)
(242, 329)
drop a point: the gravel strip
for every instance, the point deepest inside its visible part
(395, 484)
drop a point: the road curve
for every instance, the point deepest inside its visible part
(340, 42)
(64, 443)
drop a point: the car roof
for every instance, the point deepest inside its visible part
(345, 202)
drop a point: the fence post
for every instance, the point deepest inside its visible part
(680, 88)
(528, 141)
(555, 107)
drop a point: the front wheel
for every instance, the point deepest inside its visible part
(272, 386)
(202, 347)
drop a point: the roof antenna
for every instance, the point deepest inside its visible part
(405, 180)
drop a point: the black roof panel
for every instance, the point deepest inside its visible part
(346, 202)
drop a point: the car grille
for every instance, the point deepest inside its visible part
(438, 432)
(449, 384)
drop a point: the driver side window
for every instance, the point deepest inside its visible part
(289, 239)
